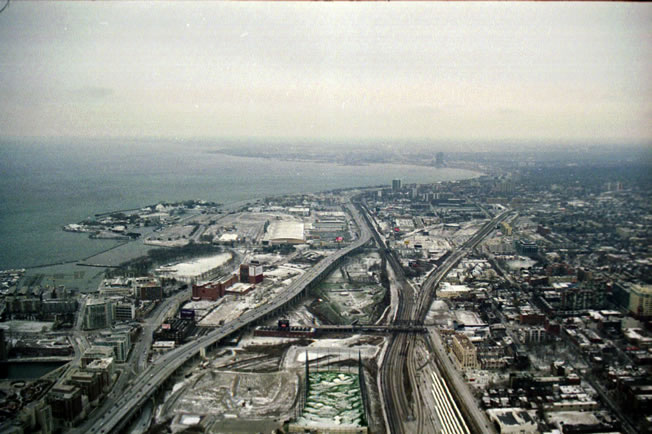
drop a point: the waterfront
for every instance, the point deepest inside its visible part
(46, 186)
(19, 370)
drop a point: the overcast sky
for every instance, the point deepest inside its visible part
(435, 71)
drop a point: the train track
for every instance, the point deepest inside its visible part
(393, 371)
(398, 368)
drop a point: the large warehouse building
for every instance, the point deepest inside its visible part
(285, 232)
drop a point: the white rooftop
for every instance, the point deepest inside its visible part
(197, 266)
(285, 230)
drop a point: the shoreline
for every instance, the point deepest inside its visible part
(235, 205)
(476, 170)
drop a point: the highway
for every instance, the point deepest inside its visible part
(165, 310)
(149, 380)
(137, 358)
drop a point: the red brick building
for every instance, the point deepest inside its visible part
(213, 290)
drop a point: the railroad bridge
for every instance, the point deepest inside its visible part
(360, 328)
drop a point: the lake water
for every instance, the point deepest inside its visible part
(45, 186)
(27, 370)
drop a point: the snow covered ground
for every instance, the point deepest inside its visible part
(520, 262)
(240, 395)
(339, 350)
(20, 326)
(334, 399)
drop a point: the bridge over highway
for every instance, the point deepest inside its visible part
(148, 382)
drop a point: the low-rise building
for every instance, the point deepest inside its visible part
(96, 352)
(213, 290)
(176, 330)
(512, 421)
(150, 291)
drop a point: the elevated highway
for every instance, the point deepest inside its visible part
(144, 387)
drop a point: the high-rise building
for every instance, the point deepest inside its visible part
(396, 185)
(90, 383)
(125, 311)
(439, 159)
(465, 352)
(640, 300)
(66, 402)
(251, 273)
(99, 313)
(119, 343)
(3, 346)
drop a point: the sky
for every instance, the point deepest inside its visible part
(490, 72)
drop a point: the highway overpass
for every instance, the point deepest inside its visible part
(148, 382)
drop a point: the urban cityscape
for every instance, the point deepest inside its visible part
(518, 300)
(325, 217)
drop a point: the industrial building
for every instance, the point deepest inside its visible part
(176, 330)
(239, 289)
(329, 221)
(213, 290)
(251, 273)
(512, 421)
(285, 232)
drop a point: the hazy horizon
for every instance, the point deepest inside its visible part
(453, 75)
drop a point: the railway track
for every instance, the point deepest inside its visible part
(393, 371)
(398, 368)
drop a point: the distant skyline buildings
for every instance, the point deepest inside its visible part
(474, 74)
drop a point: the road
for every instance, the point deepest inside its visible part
(165, 310)
(143, 387)
(137, 358)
